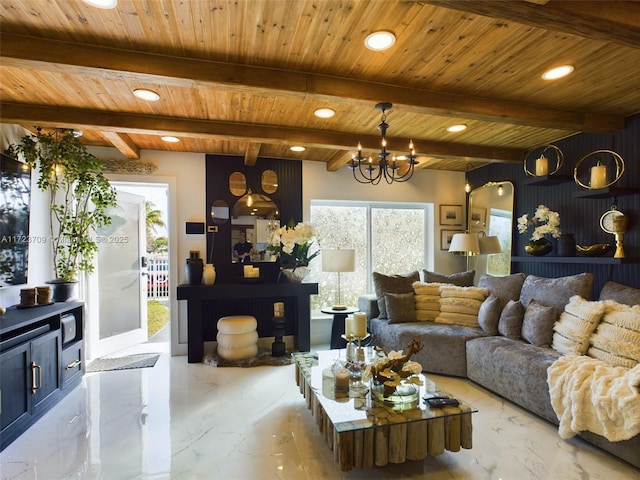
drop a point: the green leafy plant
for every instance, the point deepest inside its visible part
(80, 196)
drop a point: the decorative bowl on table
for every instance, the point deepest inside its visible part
(594, 250)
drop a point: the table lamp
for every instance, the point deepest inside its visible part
(338, 260)
(489, 245)
(465, 244)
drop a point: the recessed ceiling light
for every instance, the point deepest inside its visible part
(296, 148)
(105, 4)
(456, 128)
(148, 95)
(324, 113)
(557, 72)
(77, 133)
(170, 139)
(378, 41)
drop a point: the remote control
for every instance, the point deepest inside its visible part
(442, 402)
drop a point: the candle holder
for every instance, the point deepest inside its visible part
(355, 355)
(620, 225)
(542, 162)
(598, 173)
(278, 347)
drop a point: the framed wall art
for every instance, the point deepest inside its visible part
(478, 217)
(445, 238)
(451, 215)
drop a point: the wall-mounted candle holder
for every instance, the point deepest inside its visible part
(598, 172)
(549, 153)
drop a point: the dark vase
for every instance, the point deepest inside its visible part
(567, 245)
(194, 270)
(62, 291)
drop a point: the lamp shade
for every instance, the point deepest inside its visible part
(464, 244)
(338, 260)
(489, 245)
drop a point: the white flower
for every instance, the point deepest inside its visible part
(546, 222)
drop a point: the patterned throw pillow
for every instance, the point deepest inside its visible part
(537, 325)
(400, 307)
(460, 305)
(578, 321)
(462, 279)
(427, 301)
(510, 323)
(617, 338)
(392, 284)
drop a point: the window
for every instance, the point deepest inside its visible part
(388, 238)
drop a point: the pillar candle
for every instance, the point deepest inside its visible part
(246, 269)
(360, 324)
(255, 272)
(342, 379)
(598, 176)
(278, 309)
(349, 330)
(542, 166)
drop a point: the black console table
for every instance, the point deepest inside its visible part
(207, 303)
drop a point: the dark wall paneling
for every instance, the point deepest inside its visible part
(288, 197)
(580, 216)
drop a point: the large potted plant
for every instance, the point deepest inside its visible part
(79, 196)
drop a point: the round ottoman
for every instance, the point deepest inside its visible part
(237, 337)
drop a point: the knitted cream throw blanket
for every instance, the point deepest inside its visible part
(589, 394)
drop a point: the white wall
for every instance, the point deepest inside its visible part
(426, 186)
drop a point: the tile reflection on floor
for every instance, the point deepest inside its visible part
(192, 421)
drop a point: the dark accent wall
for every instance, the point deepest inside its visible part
(580, 216)
(288, 197)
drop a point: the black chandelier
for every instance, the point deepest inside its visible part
(365, 171)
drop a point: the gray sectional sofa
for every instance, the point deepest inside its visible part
(509, 366)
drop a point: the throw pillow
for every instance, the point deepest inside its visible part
(392, 284)
(507, 288)
(579, 320)
(537, 325)
(427, 301)
(556, 292)
(489, 314)
(462, 279)
(620, 293)
(510, 323)
(400, 307)
(617, 338)
(460, 305)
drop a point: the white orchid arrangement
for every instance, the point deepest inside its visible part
(545, 221)
(393, 369)
(292, 244)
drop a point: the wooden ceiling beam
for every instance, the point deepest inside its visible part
(27, 52)
(251, 152)
(338, 160)
(616, 22)
(123, 143)
(161, 125)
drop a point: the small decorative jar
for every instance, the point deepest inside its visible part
(567, 245)
(209, 274)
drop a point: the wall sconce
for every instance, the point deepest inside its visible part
(598, 174)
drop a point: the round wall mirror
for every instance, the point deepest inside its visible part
(237, 183)
(219, 212)
(269, 181)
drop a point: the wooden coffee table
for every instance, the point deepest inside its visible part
(363, 432)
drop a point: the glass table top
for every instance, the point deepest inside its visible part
(357, 409)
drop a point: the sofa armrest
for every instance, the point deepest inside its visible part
(369, 305)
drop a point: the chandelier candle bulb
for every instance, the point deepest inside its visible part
(598, 176)
(542, 166)
(360, 324)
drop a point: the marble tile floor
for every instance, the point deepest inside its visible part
(192, 421)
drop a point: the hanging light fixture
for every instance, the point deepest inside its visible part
(365, 171)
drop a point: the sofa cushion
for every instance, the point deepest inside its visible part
(427, 301)
(620, 293)
(460, 305)
(510, 323)
(556, 292)
(400, 307)
(462, 279)
(392, 284)
(537, 325)
(617, 337)
(506, 288)
(578, 321)
(489, 314)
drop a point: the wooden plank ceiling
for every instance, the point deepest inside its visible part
(244, 77)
